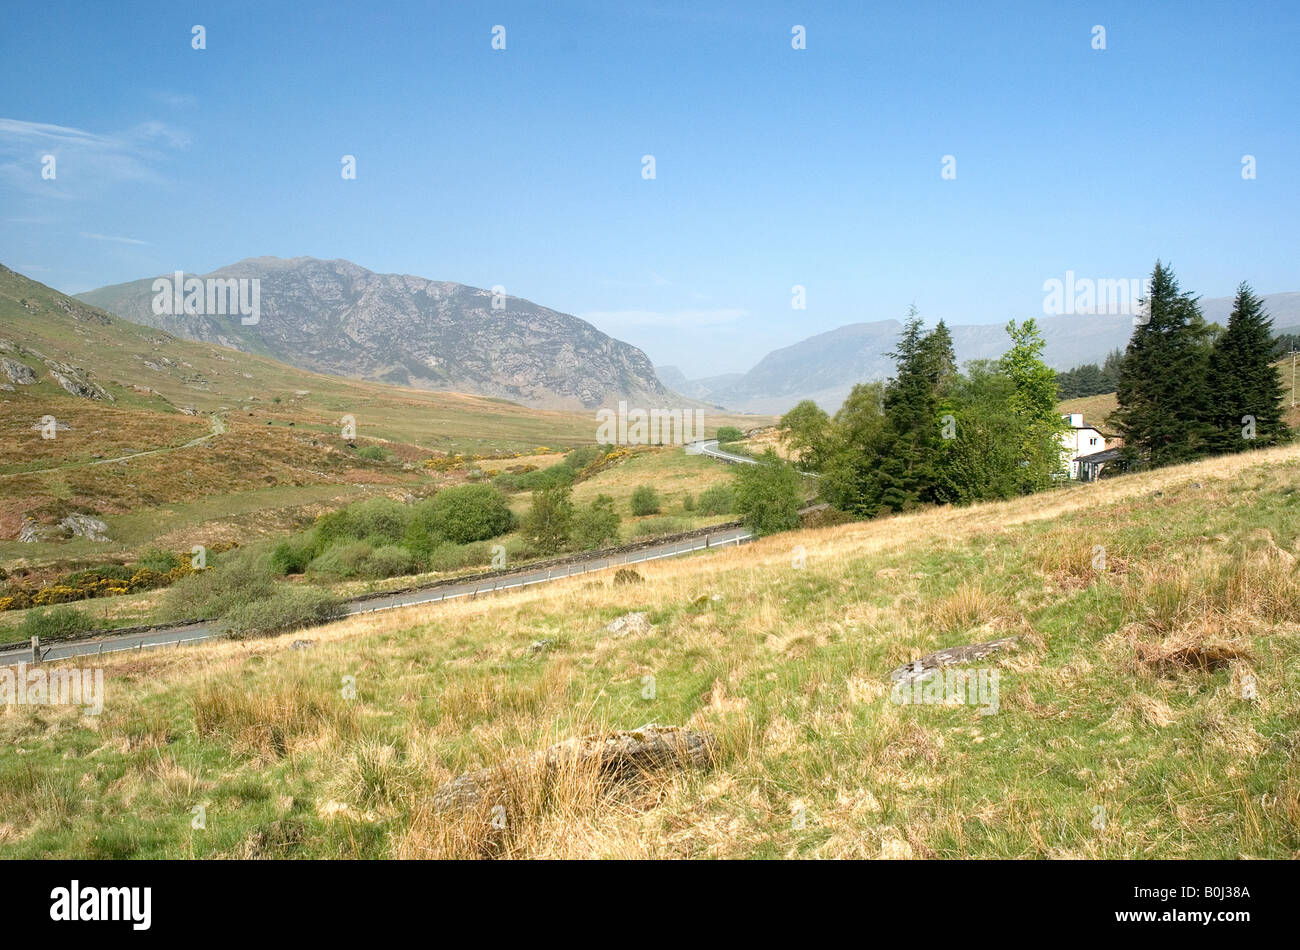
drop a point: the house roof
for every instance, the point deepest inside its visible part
(1107, 455)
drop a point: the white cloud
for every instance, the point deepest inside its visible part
(85, 161)
(111, 237)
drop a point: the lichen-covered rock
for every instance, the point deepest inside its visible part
(73, 526)
(629, 625)
(75, 380)
(18, 373)
(919, 669)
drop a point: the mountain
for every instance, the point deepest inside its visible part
(338, 318)
(702, 389)
(825, 367)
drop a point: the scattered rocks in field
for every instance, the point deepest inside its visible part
(612, 756)
(630, 624)
(73, 526)
(74, 380)
(918, 669)
(625, 575)
(302, 644)
(8, 388)
(19, 373)
(540, 646)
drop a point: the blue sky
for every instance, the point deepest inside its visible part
(775, 167)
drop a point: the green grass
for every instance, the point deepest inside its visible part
(788, 667)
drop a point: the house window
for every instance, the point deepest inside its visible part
(1092, 441)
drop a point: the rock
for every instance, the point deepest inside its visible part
(74, 380)
(625, 575)
(540, 646)
(6, 387)
(302, 644)
(189, 410)
(19, 373)
(919, 669)
(58, 426)
(614, 756)
(630, 624)
(84, 526)
(73, 526)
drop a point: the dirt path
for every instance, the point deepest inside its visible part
(218, 428)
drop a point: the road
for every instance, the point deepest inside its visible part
(710, 448)
(198, 632)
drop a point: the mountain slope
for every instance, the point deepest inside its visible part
(825, 367)
(336, 317)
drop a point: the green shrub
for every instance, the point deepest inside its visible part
(343, 560)
(595, 525)
(457, 557)
(113, 572)
(584, 455)
(379, 520)
(550, 519)
(292, 555)
(288, 608)
(688, 503)
(717, 500)
(391, 561)
(56, 623)
(465, 513)
(645, 501)
(156, 559)
(374, 453)
(657, 526)
(560, 474)
(235, 578)
(768, 495)
(729, 434)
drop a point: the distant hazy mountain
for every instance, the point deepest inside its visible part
(336, 317)
(701, 389)
(825, 367)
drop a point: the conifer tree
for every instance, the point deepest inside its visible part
(1164, 404)
(1243, 383)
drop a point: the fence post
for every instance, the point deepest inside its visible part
(36, 649)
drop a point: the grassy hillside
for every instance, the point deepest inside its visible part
(1150, 710)
(260, 454)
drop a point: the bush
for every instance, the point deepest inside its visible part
(231, 580)
(158, 560)
(550, 519)
(57, 623)
(374, 453)
(378, 520)
(688, 503)
(456, 557)
(729, 434)
(287, 608)
(536, 480)
(465, 513)
(292, 555)
(595, 525)
(768, 495)
(645, 501)
(717, 500)
(581, 457)
(391, 561)
(658, 526)
(343, 560)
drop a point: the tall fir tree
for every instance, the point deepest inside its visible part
(1245, 386)
(1164, 403)
(909, 445)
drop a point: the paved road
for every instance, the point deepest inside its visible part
(193, 633)
(710, 448)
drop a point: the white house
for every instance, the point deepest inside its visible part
(1080, 440)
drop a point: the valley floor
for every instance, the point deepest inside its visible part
(1150, 709)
